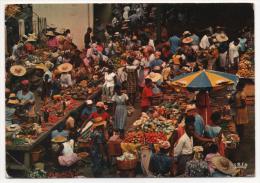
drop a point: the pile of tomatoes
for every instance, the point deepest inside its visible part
(134, 137)
(154, 137)
(142, 138)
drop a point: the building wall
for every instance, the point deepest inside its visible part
(76, 17)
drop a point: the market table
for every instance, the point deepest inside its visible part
(27, 148)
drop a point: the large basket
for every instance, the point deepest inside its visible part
(126, 164)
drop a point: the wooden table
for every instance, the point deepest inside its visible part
(26, 149)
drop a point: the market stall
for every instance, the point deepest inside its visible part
(26, 143)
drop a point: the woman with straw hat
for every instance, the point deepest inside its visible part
(161, 163)
(10, 108)
(17, 74)
(52, 40)
(65, 78)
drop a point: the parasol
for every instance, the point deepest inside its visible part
(204, 80)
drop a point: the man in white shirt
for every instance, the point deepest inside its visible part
(183, 150)
(204, 42)
(233, 52)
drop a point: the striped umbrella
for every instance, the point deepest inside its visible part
(204, 79)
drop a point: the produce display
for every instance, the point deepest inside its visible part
(144, 138)
(245, 66)
(134, 137)
(157, 125)
(245, 69)
(154, 137)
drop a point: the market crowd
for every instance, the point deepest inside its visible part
(134, 67)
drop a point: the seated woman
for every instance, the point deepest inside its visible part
(27, 98)
(87, 110)
(60, 132)
(71, 124)
(219, 166)
(101, 112)
(10, 109)
(67, 157)
(213, 130)
(161, 164)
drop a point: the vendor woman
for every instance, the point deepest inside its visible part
(101, 112)
(65, 77)
(27, 98)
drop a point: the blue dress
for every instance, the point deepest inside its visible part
(121, 111)
(175, 43)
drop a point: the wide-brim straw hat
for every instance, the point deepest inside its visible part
(224, 165)
(13, 101)
(66, 67)
(41, 66)
(187, 40)
(221, 37)
(31, 37)
(13, 127)
(186, 33)
(18, 70)
(59, 139)
(50, 33)
(154, 76)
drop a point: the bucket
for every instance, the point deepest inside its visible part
(37, 153)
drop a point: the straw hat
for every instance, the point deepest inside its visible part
(55, 55)
(66, 67)
(190, 107)
(49, 65)
(187, 40)
(89, 102)
(18, 70)
(59, 139)
(12, 99)
(221, 37)
(164, 144)
(198, 149)
(154, 76)
(41, 66)
(50, 33)
(13, 128)
(186, 33)
(224, 165)
(31, 37)
(116, 34)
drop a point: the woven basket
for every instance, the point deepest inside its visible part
(126, 164)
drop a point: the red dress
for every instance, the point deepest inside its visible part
(105, 116)
(203, 106)
(147, 93)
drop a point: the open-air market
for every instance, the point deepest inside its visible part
(129, 90)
